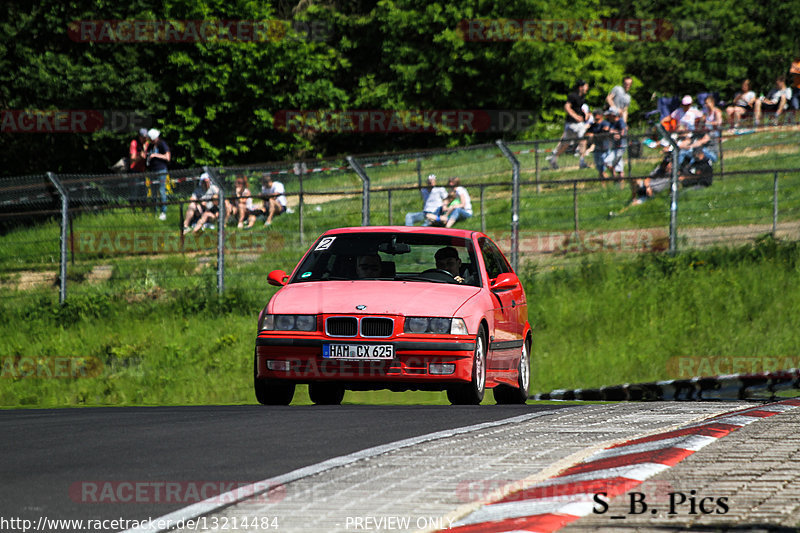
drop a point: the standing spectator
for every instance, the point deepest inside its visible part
(598, 135)
(743, 102)
(274, 198)
(618, 131)
(137, 155)
(432, 199)
(158, 157)
(776, 101)
(620, 97)
(203, 207)
(575, 126)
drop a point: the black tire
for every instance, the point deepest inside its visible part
(326, 393)
(472, 393)
(271, 391)
(504, 394)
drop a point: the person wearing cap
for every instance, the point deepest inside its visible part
(743, 102)
(203, 205)
(686, 115)
(432, 201)
(158, 157)
(137, 154)
(618, 132)
(575, 125)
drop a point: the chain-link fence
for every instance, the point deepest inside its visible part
(107, 230)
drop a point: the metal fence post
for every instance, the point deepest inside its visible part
(514, 202)
(365, 189)
(62, 292)
(575, 205)
(775, 205)
(673, 206)
(220, 230)
(538, 171)
(419, 172)
(483, 209)
(300, 204)
(389, 199)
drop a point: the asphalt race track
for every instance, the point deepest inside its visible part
(57, 462)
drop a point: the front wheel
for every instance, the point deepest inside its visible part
(504, 394)
(271, 391)
(472, 393)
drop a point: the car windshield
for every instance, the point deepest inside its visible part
(391, 256)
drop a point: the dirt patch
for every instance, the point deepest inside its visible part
(30, 280)
(100, 273)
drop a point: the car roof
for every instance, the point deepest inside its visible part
(467, 234)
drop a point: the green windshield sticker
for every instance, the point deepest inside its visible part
(305, 275)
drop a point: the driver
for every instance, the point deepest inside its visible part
(447, 259)
(368, 266)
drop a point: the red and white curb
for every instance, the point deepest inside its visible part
(554, 503)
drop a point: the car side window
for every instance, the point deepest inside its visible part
(495, 263)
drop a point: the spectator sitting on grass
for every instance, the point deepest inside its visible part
(658, 180)
(274, 198)
(432, 198)
(699, 172)
(460, 207)
(699, 139)
(240, 206)
(203, 207)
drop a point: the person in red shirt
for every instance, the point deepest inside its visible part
(137, 154)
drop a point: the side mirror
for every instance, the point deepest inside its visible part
(277, 278)
(505, 282)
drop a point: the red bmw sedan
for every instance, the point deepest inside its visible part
(398, 308)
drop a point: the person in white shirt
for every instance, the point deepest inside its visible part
(686, 115)
(203, 207)
(273, 193)
(620, 97)
(742, 103)
(432, 197)
(776, 100)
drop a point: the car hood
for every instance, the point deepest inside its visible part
(406, 298)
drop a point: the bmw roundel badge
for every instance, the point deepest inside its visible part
(361, 307)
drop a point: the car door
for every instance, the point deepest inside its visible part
(506, 342)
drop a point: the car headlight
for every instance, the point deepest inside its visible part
(435, 325)
(290, 322)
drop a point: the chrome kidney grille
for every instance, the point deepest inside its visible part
(376, 327)
(341, 326)
(347, 326)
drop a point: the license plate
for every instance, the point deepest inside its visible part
(360, 352)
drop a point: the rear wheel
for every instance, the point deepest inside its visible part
(271, 391)
(504, 394)
(472, 393)
(326, 393)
